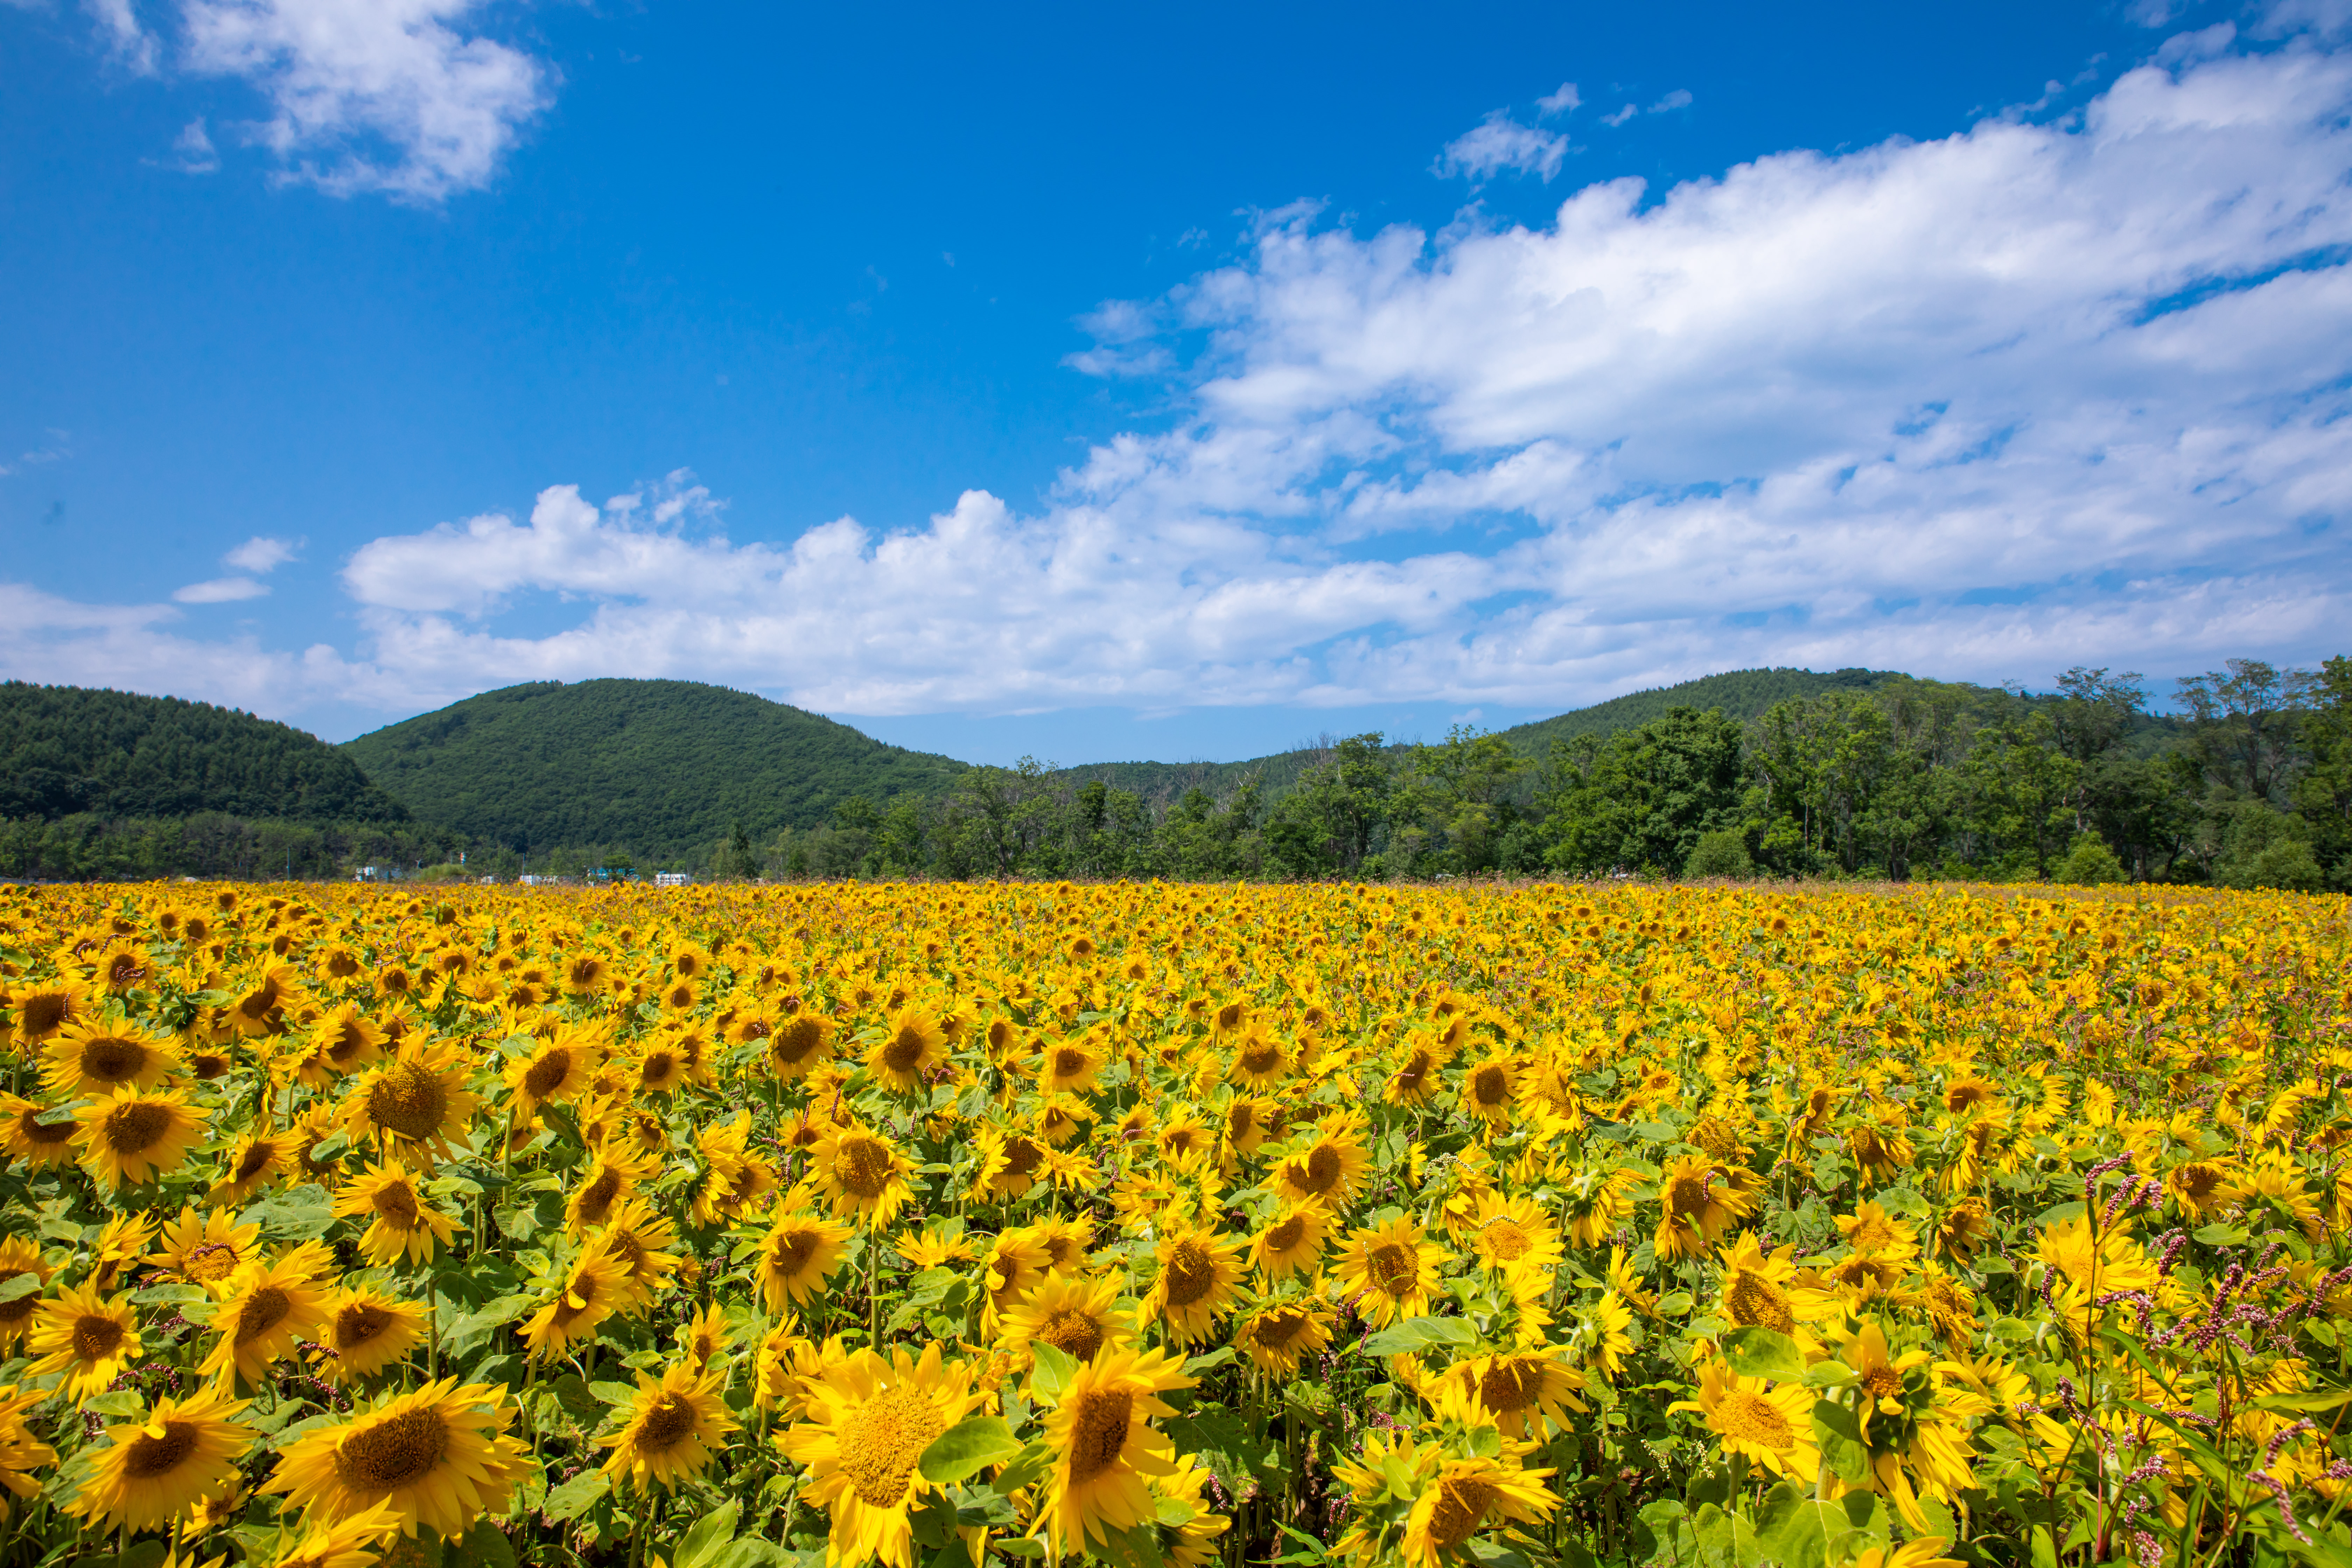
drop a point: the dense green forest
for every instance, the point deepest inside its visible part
(68, 750)
(660, 766)
(2249, 784)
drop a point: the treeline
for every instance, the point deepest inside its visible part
(87, 848)
(2250, 784)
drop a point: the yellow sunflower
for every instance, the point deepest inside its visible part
(439, 1458)
(132, 1136)
(1292, 1244)
(352, 1543)
(1010, 1162)
(1387, 1272)
(26, 1137)
(641, 1236)
(1105, 1449)
(799, 1046)
(1199, 1271)
(255, 1161)
(912, 1045)
(798, 1254)
(1259, 1060)
(1274, 1337)
(862, 1173)
(595, 1287)
(156, 1467)
(676, 1428)
(1513, 1232)
(44, 1008)
(1522, 1391)
(122, 1243)
(707, 1337)
(557, 1070)
(1696, 1205)
(268, 1309)
(867, 1421)
(365, 1331)
(93, 1056)
(19, 1255)
(1772, 1425)
(204, 1249)
(1328, 1171)
(1077, 1316)
(416, 1102)
(90, 1340)
(402, 1223)
(347, 1039)
(1466, 1496)
(1489, 1091)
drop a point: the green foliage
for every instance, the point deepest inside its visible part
(667, 767)
(1722, 853)
(67, 752)
(1642, 799)
(2089, 863)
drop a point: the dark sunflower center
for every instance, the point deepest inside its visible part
(1322, 1174)
(1507, 1387)
(113, 1060)
(1757, 1302)
(1491, 1086)
(548, 1073)
(34, 1131)
(409, 1099)
(669, 1422)
(1021, 1156)
(358, 1323)
(212, 1260)
(905, 1052)
(136, 1128)
(396, 1452)
(146, 1458)
(43, 1012)
(94, 1337)
(263, 1311)
(1099, 1435)
(1191, 1273)
(1461, 1508)
(1073, 1333)
(1393, 1266)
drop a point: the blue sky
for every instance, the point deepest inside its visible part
(1107, 385)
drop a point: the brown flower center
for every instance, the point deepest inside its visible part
(1069, 1062)
(408, 1099)
(1506, 1241)
(1461, 1509)
(34, 1131)
(358, 1323)
(1285, 1235)
(1509, 1386)
(1392, 1267)
(396, 1452)
(1490, 1086)
(1746, 1417)
(1074, 1332)
(145, 1457)
(1099, 1435)
(548, 1074)
(211, 1261)
(263, 1311)
(110, 1060)
(1322, 1172)
(1191, 1273)
(396, 1205)
(788, 1254)
(669, 1422)
(43, 1012)
(863, 1167)
(94, 1337)
(906, 1052)
(136, 1128)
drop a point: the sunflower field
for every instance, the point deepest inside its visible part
(943, 1225)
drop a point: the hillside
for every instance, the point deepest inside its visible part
(1740, 693)
(69, 750)
(659, 767)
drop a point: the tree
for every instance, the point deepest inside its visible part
(1641, 800)
(2243, 721)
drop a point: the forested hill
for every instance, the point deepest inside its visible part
(67, 751)
(1742, 694)
(656, 766)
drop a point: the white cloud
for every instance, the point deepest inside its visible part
(261, 553)
(1622, 115)
(220, 591)
(1500, 142)
(373, 95)
(132, 45)
(192, 152)
(1984, 407)
(1564, 101)
(1678, 99)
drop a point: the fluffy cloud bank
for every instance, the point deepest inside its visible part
(1988, 406)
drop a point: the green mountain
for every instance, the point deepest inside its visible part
(67, 749)
(657, 767)
(1741, 694)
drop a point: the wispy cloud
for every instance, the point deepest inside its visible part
(220, 591)
(1564, 101)
(1500, 143)
(192, 152)
(261, 553)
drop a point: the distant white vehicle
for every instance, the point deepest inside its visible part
(672, 879)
